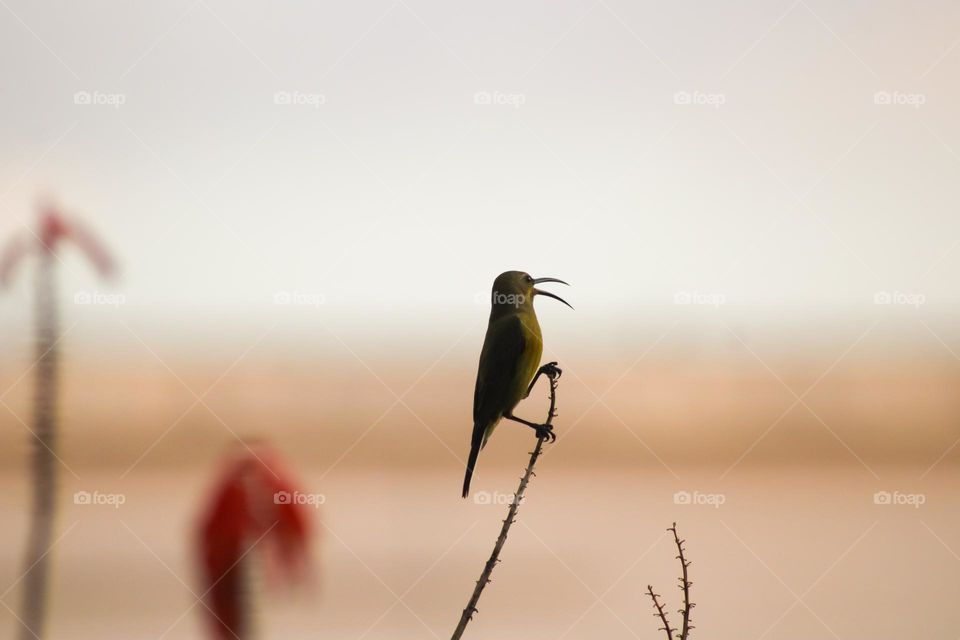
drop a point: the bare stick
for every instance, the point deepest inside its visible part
(467, 614)
(684, 585)
(660, 613)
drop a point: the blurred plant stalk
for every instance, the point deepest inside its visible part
(46, 328)
(51, 231)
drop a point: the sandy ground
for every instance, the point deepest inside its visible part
(797, 553)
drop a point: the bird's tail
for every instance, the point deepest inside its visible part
(475, 445)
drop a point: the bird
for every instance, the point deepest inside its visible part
(509, 361)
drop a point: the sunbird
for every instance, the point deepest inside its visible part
(509, 360)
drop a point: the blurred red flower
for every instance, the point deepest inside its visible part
(252, 512)
(52, 228)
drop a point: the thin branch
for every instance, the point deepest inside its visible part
(684, 632)
(660, 613)
(684, 585)
(471, 608)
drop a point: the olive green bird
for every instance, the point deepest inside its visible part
(509, 361)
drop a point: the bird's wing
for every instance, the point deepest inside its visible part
(500, 361)
(499, 365)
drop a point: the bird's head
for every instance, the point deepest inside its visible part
(515, 289)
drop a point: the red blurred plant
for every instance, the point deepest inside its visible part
(52, 230)
(252, 512)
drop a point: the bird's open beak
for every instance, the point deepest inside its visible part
(547, 293)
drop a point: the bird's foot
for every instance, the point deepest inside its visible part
(551, 370)
(545, 432)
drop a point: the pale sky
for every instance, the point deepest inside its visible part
(735, 152)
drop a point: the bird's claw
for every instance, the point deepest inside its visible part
(551, 370)
(545, 432)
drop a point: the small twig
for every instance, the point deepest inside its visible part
(684, 585)
(471, 608)
(660, 613)
(684, 631)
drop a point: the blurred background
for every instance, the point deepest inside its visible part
(754, 203)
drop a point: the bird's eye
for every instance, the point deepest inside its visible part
(529, 279)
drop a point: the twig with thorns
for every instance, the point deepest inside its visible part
(685, 585)
(660, 612)
(484, 580)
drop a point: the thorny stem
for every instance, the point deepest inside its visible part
(684, 585)
(471, 608)
(660, 613)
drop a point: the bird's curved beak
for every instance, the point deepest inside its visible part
(547, 293)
